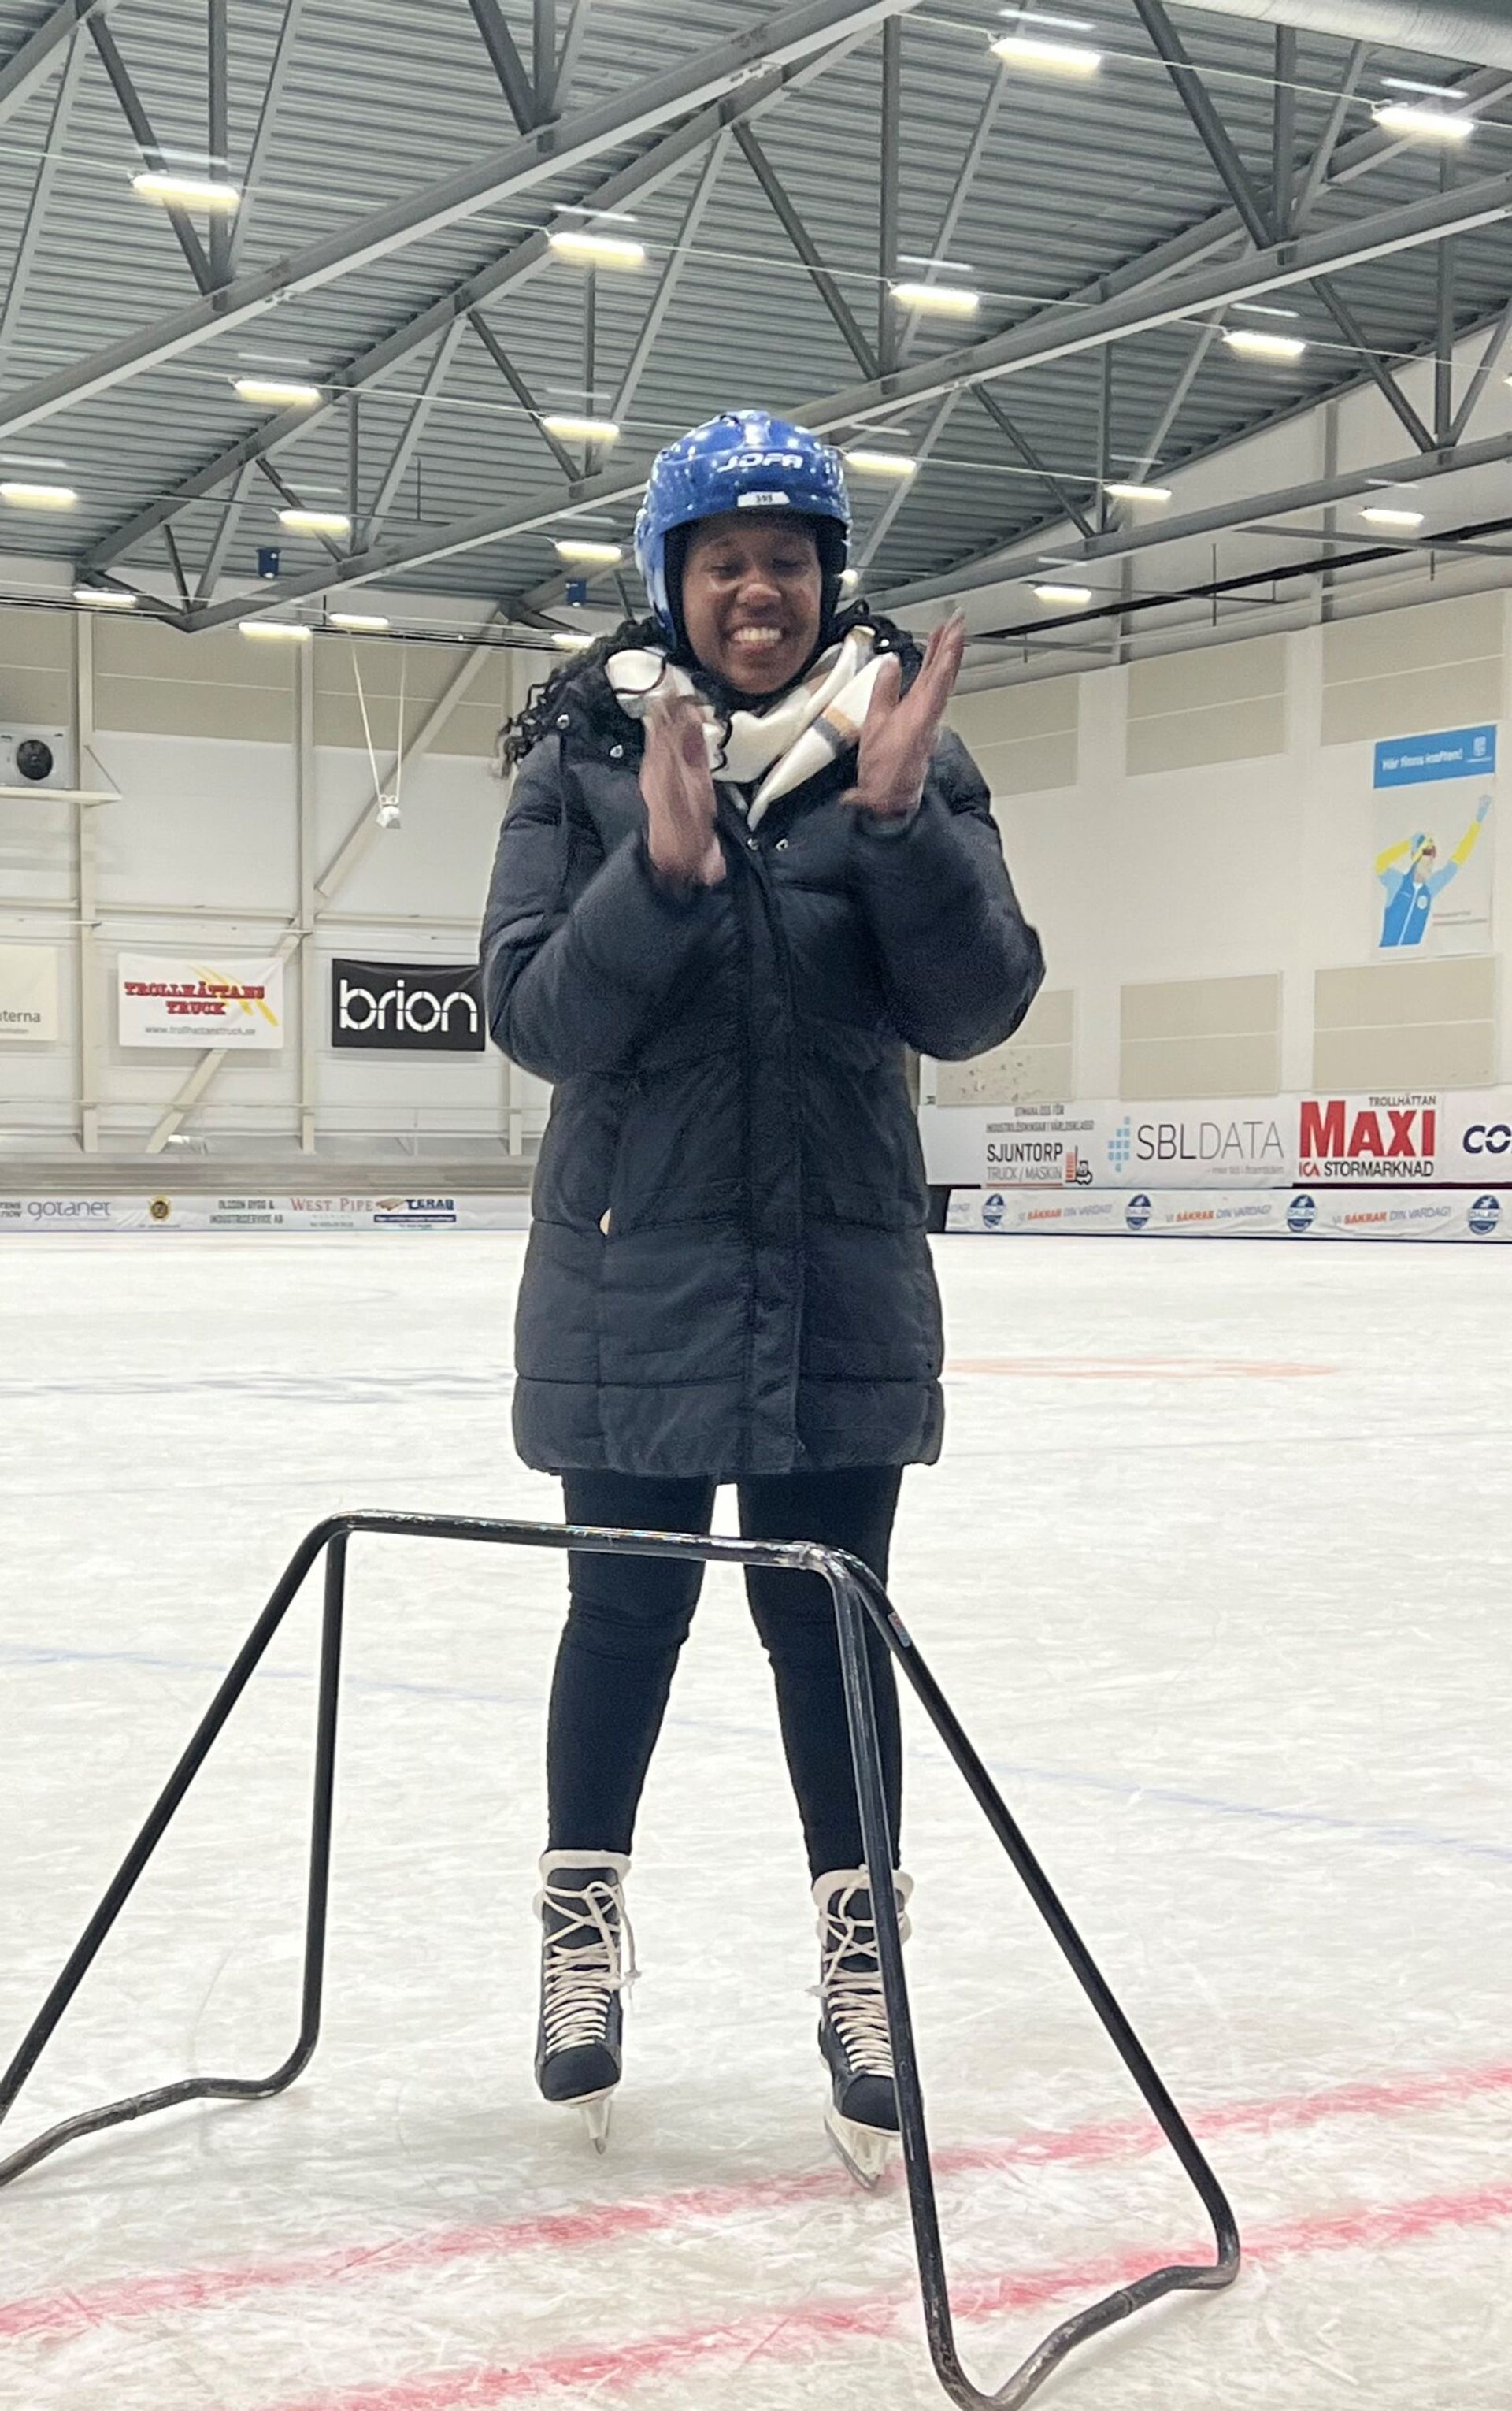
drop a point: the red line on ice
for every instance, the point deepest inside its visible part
(774, 2333)
(563, 2230)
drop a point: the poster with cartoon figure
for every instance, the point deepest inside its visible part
(1434, 801)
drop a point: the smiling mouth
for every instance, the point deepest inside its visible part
(761, 639)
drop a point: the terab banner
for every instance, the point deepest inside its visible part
(1414, 1138)
(29, 995)
(1472, 1217)
(406, 1008)
(166, 1001)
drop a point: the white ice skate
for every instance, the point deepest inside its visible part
(862, 2115)
(587, 1963)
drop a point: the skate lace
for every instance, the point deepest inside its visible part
(582, 1975)
(851, 1996)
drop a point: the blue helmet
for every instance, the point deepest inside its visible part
(746, 459)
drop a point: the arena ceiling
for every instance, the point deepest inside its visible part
(407, 170)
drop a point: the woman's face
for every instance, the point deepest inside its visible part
(751, 592)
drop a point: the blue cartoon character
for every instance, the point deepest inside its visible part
(1412, 879)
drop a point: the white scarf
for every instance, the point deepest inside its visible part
(813, 724)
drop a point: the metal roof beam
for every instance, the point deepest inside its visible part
(656, 166)
(1057, 335)
(1320, 495)
(676, 259)
(1496, 343)
(230, 519)
(793, 34)
(414, 427)
(523, 395)
(508, 65)
(543, 57)
(47, 172)
(1256, 219)
(218, 118)
(808, 251)
(266, 119)
(572, 48)
(33, 61)
(150, 147)
(1316, 176)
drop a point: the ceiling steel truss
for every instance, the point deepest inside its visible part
(1224, 163)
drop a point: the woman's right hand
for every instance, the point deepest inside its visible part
(679, 795)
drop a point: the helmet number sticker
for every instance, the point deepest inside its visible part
(754, 502)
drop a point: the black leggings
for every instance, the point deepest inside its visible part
(628, 1618)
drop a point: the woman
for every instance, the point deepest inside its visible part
(717, 923)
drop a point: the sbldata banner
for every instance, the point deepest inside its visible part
(1410, 1139)
(1476, 1218)
(1432, 865)
(29, 996)
(406, 1008)
(171, 1001)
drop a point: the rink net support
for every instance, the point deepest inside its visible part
(857, 1597)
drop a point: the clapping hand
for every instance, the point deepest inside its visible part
(679, 795)
(898, 735)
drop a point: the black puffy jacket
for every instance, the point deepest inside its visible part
(727, 1271)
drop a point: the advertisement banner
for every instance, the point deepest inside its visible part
(168, 1001)
(29, 996)
(1432, 865)
(407, 1008)
(506, 1210)
(1445, 1214)
(1413, 1136)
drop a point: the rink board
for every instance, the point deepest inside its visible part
(1477, 1218)
(505, 1210)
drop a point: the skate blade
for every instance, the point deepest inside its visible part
(865, 2151)
(596, 2115)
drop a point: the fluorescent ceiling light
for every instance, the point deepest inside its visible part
(315, 522)
(575, 548)
(187, 192)
(106, 598)
(1379, 516)
(1129, 492)
(944, 301)
(282, 632)
(581, 430)
(585, 210)
(1264, 310)
(1047, 58)
(880, 464)
(1065, 598)
(571, 640)
(1434, 91)
(278, 393)
(932, 259)
(24, 497)
(1427, 124)
(1038, 17)
(597, 249)
(1252, 343)
(371, 623)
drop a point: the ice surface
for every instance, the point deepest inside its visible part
(1217, 1568)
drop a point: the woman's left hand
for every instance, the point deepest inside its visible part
(899, 731)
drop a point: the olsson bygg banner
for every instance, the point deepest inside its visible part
(166, 1001)
(406, 1008)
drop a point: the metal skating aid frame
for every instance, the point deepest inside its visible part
(857, 1597)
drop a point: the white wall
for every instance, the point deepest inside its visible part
(202, 853)
(1220, 870)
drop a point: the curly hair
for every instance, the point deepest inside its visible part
(542, 707)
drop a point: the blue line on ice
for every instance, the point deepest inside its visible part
(1419, 1838)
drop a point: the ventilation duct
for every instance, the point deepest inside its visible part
(1480, 30)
